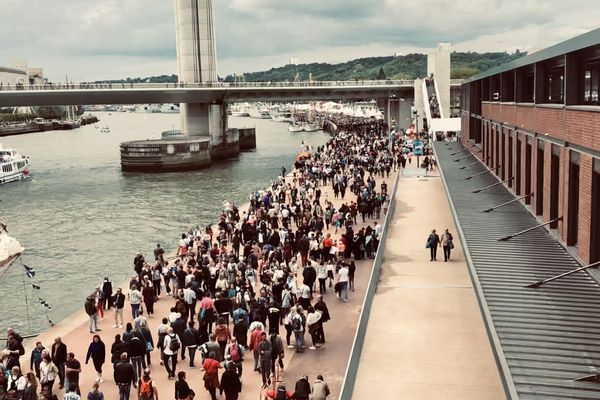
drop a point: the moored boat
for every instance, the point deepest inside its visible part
(295, 128)
(13, 166)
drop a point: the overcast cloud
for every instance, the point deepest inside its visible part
(110, 39)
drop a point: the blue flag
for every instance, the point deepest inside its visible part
(29, 271)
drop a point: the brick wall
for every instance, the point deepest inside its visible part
(585, 206)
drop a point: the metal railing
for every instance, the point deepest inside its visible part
(204, 85)
(361, 329)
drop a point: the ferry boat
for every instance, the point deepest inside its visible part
(295, 128)
(13, 166)
(311, 128)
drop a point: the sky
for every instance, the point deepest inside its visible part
(85, 40)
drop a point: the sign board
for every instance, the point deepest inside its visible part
(417, 148)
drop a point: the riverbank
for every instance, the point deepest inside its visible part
(12, 129)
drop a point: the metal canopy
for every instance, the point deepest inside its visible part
(544, 338)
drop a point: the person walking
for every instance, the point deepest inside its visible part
(124, 376)
(343, 277)
(182, 389)
(231, 383)
(116, 349)
(171, 345)
(72, 371)
(447, 244)
(265, 350)
(211, 376)
(95, 393)
(36, 358)
(97, 352)
(147, 387)
(433, 241)
(118, 301)
(59, 358)
(320, 389)
(325, 316)
(30, 390)
(48, 371)
(191, 340)
(135, 300)
(235, 351)
(223, 335)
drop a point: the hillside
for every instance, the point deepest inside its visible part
(409, 66)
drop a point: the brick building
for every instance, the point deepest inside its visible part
(536, 124)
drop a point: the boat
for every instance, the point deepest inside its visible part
(169, 109)
(283, 116)
(263, 113)
(311, 128)
(13, 166)
(10, 248)
(239, 111)
(105, 129)
(295, 128)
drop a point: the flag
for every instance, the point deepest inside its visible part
(35, 286)
(43, 302)
(29, 271)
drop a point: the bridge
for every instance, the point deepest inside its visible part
(204, 92)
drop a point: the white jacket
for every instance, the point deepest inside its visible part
(48, 371)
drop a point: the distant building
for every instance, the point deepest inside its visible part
(20, 73)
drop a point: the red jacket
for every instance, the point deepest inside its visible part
(255, 339)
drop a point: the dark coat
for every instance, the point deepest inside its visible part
(97, 351)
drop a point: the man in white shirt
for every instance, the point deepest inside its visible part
(343, 283)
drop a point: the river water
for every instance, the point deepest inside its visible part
(81, 218)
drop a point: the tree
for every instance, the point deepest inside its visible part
(381, 75)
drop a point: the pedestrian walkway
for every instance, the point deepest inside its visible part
(426, 337)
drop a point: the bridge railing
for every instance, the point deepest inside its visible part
(104, 86)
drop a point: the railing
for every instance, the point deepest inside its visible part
(361, 329)
(204, 85)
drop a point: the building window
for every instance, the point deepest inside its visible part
(555, 85)
(591, 78)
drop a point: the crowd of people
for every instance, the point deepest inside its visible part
(253, 285)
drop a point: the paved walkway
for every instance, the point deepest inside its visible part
(426, 338)
(330, 360)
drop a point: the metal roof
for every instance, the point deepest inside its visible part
(588, 39)
(544, 338)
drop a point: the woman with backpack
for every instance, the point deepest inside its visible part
(223, 335)
(211, 376)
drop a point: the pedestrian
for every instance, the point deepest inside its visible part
(117, 348)
(59, 357)
(265, 350)
(231, 383)
(235, 352)
(48, 371)
(211, 376)
(433, 241)
(223, 335)
(148, 295)
(322, 276)
(118, 302)
(171, 345)
(147, 387)
(124, 376)
(313, 321)
(72, 371)
(320, 389)
(95, 393)
(351, 272)
(146, 337)
(136, 349)
(135, 300)
(71, 393)
(90, 310)
(36, 358)
(107, 292)
(97, 352)
(277, 352)
(182, 389)
(255, 339)
(447, 244)
(342, 281)
(30, 390)
(325, 316)
(15, 384)
(302, 389)
(298, 323)
(191, 339)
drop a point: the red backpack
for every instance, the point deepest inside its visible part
(146, 390)
(236, 353)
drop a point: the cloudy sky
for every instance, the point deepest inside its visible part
(110, 39)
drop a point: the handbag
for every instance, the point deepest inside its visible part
(427, 244)
(450, 244)
(149, 347)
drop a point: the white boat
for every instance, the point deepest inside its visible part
(238, 110)
(13, 166)
(263, 113)
(311, 128)
(283, 116)
(295, 128)
(10, 248)
(105, 129)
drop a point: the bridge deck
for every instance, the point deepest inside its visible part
(546, 337)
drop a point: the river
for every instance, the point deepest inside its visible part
(81, 218)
